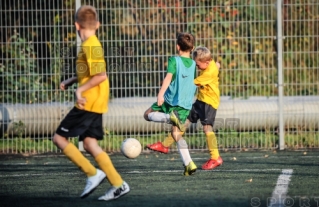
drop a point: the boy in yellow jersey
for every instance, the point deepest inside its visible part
(85, 119)
(175, 97)
(204, 108)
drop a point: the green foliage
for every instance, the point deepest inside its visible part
(239, 33)
(20, 82)
(19, 128)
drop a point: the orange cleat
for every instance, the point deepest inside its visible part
(211, 164)
(159, 147)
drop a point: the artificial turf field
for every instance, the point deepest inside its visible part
(262, 178)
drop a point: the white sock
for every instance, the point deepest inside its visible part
(184, 152)
(159, 117)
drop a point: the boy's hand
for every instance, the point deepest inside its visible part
(160, 100)
(64, 85)
(68, 82)
(79, 99)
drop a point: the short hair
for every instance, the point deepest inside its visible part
(202, 54)
(86, 16)
(185, 41)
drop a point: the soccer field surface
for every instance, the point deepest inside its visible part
(268, 178)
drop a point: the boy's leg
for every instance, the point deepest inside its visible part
(149, 110)
(74, 154)
(94, 175)
(211, 140)
(162, 147)
(181, 115)
(158, 114)
(78, 123)
(207, 114)
(169, 140)
(103, 160)
(119, 186)
(182, 147)
(159, 117)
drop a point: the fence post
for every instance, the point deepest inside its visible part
(280, 76)
(78, 44)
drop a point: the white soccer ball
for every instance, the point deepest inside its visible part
(131, 148)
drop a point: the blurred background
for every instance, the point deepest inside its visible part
(38, 47)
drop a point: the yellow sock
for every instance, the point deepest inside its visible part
(169, 140)
(107, 167)
(79, 160)
(212, 145)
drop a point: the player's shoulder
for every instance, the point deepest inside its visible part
(172, 58)
(92, 41)
(214, 65)
(180, 58)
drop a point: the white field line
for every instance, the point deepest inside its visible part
(139, 172)
(279, 194)
(38, 174)
(238, 158)
(168, 159)
(170, 171)
(271, 155)
(177, 158)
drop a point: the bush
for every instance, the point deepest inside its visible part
(20, 82)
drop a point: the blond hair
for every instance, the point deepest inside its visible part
(86, 16)
(202, 54)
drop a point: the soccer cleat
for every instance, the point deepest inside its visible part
(190, 169)
(114, 193)
(173, 116)
(211, 164)
(159, 147)
(92, 182)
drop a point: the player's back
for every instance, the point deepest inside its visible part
(91, 62)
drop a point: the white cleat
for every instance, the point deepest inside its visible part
(114, 193)
(92, 182)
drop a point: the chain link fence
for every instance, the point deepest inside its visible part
(38, 47)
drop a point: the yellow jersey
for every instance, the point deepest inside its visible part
(208, 85)
(90, 61)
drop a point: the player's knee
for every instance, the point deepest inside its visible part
(86, 146)
(207, 129)
(55, 139)
(89, 145)
(177, 135)
(146, 116)
(146, 113)
(59, 141)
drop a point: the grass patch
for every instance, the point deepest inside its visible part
(227, 140)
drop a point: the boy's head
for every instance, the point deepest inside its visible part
(202, 57)
(185, 42)
(86, 18)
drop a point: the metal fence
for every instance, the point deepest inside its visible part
(39, 46)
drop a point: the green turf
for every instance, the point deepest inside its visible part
(245, 179)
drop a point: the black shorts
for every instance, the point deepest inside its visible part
(81, 123)
(202, 111)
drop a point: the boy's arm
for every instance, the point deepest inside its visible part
(94, 81)
(167, 80)
(68, 82)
